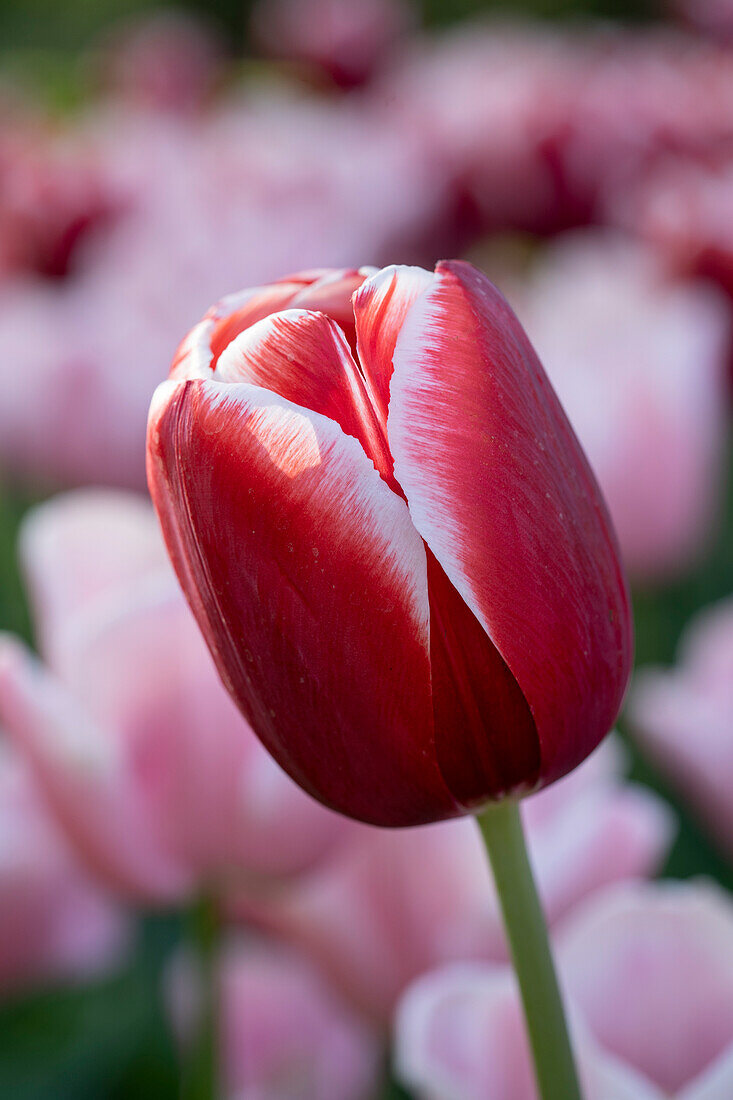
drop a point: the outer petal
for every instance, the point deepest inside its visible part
(499, 488)
(83, 776)
(309, 583)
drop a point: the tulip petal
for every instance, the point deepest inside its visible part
(78, 548)
(332, 294)
(380, 308)
(197, 355)
(499, 488)
(303, 356)
(650, 965)
(83, 776)
(309, 582)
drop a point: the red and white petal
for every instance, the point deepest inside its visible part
(308, 580)
(198, 353)
(303, 356)
(501, 492)
(332, 294)
(80, 547)
(85, 778)
(380, 308)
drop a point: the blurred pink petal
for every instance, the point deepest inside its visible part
(166, 60)
(54, 923)
(650, 968)
(375, 920)
(460, 1035)
(146, 762)
(264, 183)
(683, 210)
(713, 17)
(490, 101)
(639, 364)
(682, 717)
(285, 1033)
(345, 39)
(639, 97)
(81, 549)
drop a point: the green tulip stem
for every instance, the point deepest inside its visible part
(526, 929)
(200, 1070)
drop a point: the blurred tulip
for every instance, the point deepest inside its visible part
(167, 61)
(398, 680)
(648, 971)
(713, 17)
(259, 185)
(54, 923)
(637, 99)
(684, 211)
(460, 1034)
(144, 760)
(52, 197)
(639, 363)
(490, 101)
(650, 968)
(682, 717)
(345, 39)
(285, 1035)
(374, 920)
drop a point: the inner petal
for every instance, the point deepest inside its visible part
(485, 736)
(303, 356)
(251, 307)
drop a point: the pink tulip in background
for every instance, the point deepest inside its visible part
(489, 101)
(263, 182)
(460, 1036)
(683, 211)
(683, 718)
(639, 362)
(713, 17)
(167, 60)
(285, 1034)
(145, 762)
(648, 971)
(389, 907)
(346, 40)
(55, 924)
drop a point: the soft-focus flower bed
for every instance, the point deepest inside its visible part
(587, 168)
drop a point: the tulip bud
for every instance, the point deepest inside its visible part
(391, 540)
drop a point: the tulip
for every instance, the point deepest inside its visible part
(403, 568)
(458, 1033)
(143, 759)
(55, 923)
(253, 188)
(283, 1031)
(648, 971)
(650, 968)
(344, 41)
(681, 717)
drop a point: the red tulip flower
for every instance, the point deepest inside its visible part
(391, 540)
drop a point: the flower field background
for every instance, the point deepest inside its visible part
(148, 166)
